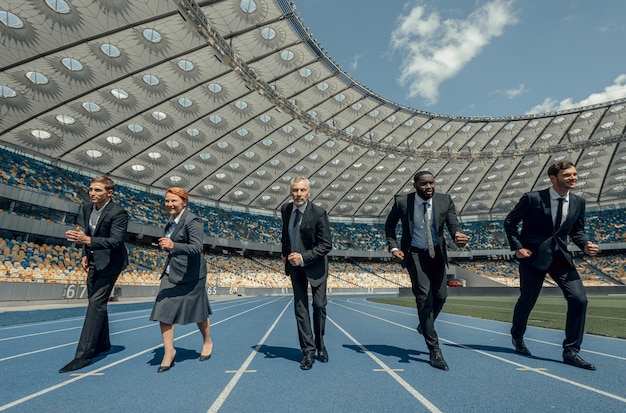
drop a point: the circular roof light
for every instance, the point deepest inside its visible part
(185, 65)
(72, 65)
(37, 78)
(59, 6)
(287, 55)
(151, 80)
(10, 20)
(110, 50)
(138, 168)
(65, 119)
(94, 153)
(120, 94)
(247, 6)
(114, 140)
(41, 135)
(91, 107)
(268, 33)
(152, 35)
(7, 92)
(215, 87)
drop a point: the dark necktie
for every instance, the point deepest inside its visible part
(169, 229)
(429, 234)
(296, 218)
(559, 214)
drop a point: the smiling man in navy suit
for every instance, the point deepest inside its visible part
(104, 257)
(548, 218)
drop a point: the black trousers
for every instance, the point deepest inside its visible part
(568, 280)
(428, 284)
(94, 337)
(310, 340)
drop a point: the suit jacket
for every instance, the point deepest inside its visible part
(107, 250)
(443, 213)
(186, 260)
(316, 241)
(538, 233)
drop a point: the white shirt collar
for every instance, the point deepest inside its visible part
(555, 195)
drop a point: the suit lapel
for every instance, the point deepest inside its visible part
(410, 209)
(546, 207)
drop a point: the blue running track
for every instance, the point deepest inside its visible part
(378, 363)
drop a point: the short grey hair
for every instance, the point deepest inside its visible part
(300, 179)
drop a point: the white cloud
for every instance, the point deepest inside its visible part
(436, 50)
(612, 92)
(512, 93)
(354, 64)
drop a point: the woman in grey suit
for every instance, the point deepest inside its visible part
(182, 297)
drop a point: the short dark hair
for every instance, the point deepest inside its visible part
(420, 173)
(554, 169)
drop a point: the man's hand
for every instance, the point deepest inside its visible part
(78, 236)
(295, 259)
(84, 264)
(397, 256)
(591, 249)
(523, 253)
(461, 239)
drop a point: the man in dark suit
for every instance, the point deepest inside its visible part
(422, 251)
(306, 242)
(548, 217)
(104, 258)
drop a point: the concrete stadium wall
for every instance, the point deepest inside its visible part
(33, 292)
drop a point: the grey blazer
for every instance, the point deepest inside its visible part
(186, 260)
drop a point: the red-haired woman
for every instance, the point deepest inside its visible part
(182, 297)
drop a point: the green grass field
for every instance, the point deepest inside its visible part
(606, 316)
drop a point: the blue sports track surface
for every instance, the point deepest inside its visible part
(378, 363)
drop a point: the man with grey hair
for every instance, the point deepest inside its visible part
(306, 242)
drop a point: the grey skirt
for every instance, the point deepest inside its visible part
(181, 303)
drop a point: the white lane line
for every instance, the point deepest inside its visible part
(65, 329)
(219, 401)
(75, 342)
(431, 407)
(519, 365)
(72, 380)
(536, 340)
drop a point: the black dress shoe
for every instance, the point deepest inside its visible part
(163, 369)
(75, 364)
(307, 361)
(322, 356)
(205, 358)
(437, 361)
(572, 358)
(520, 347)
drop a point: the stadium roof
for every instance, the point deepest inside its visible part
(230, 99)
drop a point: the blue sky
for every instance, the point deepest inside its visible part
(477, 57)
